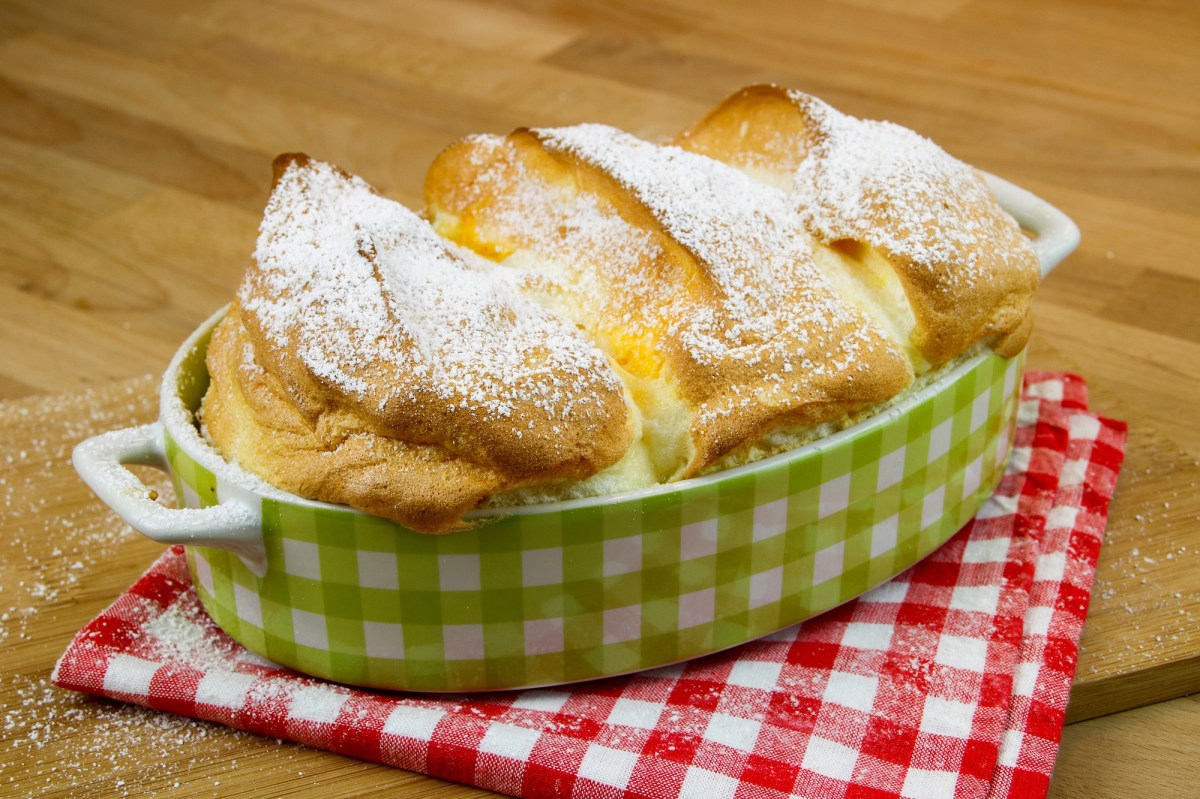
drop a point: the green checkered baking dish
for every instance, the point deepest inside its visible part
(573, 590)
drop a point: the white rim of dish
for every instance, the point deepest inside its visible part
(1055, 237)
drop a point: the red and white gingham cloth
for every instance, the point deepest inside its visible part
(950, 680)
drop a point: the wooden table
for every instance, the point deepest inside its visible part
(135, 144)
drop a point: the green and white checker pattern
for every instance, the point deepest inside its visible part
(614, 587)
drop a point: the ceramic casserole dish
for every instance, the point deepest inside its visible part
(582, 589)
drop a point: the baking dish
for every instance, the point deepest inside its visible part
(581, 589)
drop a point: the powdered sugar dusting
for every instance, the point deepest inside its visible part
(885, 184)
(522, 200)
(746, 235)
(59, 551)
(70, 743)
(775, 311)
(361, 289)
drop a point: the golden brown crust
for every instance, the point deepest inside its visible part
(966, 268)
(779, 346)
(755, 129)
(369, 364)
(250, 417)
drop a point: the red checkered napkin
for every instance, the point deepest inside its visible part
(949, 680)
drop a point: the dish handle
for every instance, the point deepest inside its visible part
(101, 462)
(1055, 236)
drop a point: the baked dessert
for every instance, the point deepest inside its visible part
(698, 281)
(367, 362)
(916, 227)
(585, 312)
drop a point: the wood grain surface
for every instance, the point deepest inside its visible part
(135, 148)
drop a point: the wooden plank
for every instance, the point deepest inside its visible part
(1120, 756)
(135, 143)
